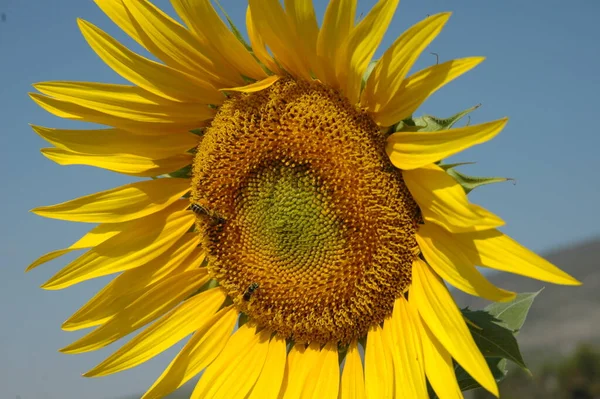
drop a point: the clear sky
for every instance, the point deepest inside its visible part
(541, 71)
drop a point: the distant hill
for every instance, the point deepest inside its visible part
(561, 316)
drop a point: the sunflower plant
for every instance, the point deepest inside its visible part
(293, 219)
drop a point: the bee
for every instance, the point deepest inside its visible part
(201, 210)
(250, 290)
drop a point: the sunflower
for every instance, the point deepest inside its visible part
(287, 227)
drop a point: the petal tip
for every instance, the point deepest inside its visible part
(445, 15)
(570, 280)
(89, 374)
(67, 326)
(50, 285)
(509, 296)
(70, 349)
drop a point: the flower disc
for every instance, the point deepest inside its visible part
(309, 227)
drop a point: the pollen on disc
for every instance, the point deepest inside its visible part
(315, 234)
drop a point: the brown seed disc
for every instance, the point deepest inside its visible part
(309, 227)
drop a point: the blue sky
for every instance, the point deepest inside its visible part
(541, 71)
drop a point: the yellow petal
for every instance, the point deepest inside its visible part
(117, 12)
(121, 163)
(131, 284)
(241, 361)
(379, 368)
(352, 385)
(118, 141)
(258, 44)
(191, 315)
(120, 204)
(74, 111)
(295, 371)
(147, 307)
(455, 267)
(411, 150)
(101, 233)
(128, 102)
(415, 89)
(176, 46)
(304, 20)
(202, 19)
(298, 367)
(360, 46)
(145, 240)
(498, 251)
(92, 238)
(442, 316)
(159, 79)
(302, 17)
(337, 24)
(270, 380)
(439, 367)
(200, 351)
(444, 202)
(324, 379)
(274, 27)
(48, 257)
(313, 372)
(408, 356)
(123, 17)
(256, 86)
(387, 76)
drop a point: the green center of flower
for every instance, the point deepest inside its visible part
(287, 220)
(308, 227)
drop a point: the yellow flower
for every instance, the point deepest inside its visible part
(282, 204)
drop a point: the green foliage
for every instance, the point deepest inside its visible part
(576, 376)
(234, 28)
(198, 132)
(469, 183)
(429, 123)
(492, 336)
(367, 73)
(185, 172)
(513, 313)
(467, 383)
(580, 373)
(493, 330)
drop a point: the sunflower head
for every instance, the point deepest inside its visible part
(287, 199)
(302, 200)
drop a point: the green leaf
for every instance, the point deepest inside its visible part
(185, 172)
(466, 382)
(234, 28)
(454, 165)
(428, 123)
(492, 338)
(406, 125)
(198, 132)
(513, 313)
(493, 330)
(243, 319)
(469, 183)
(367, 73)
